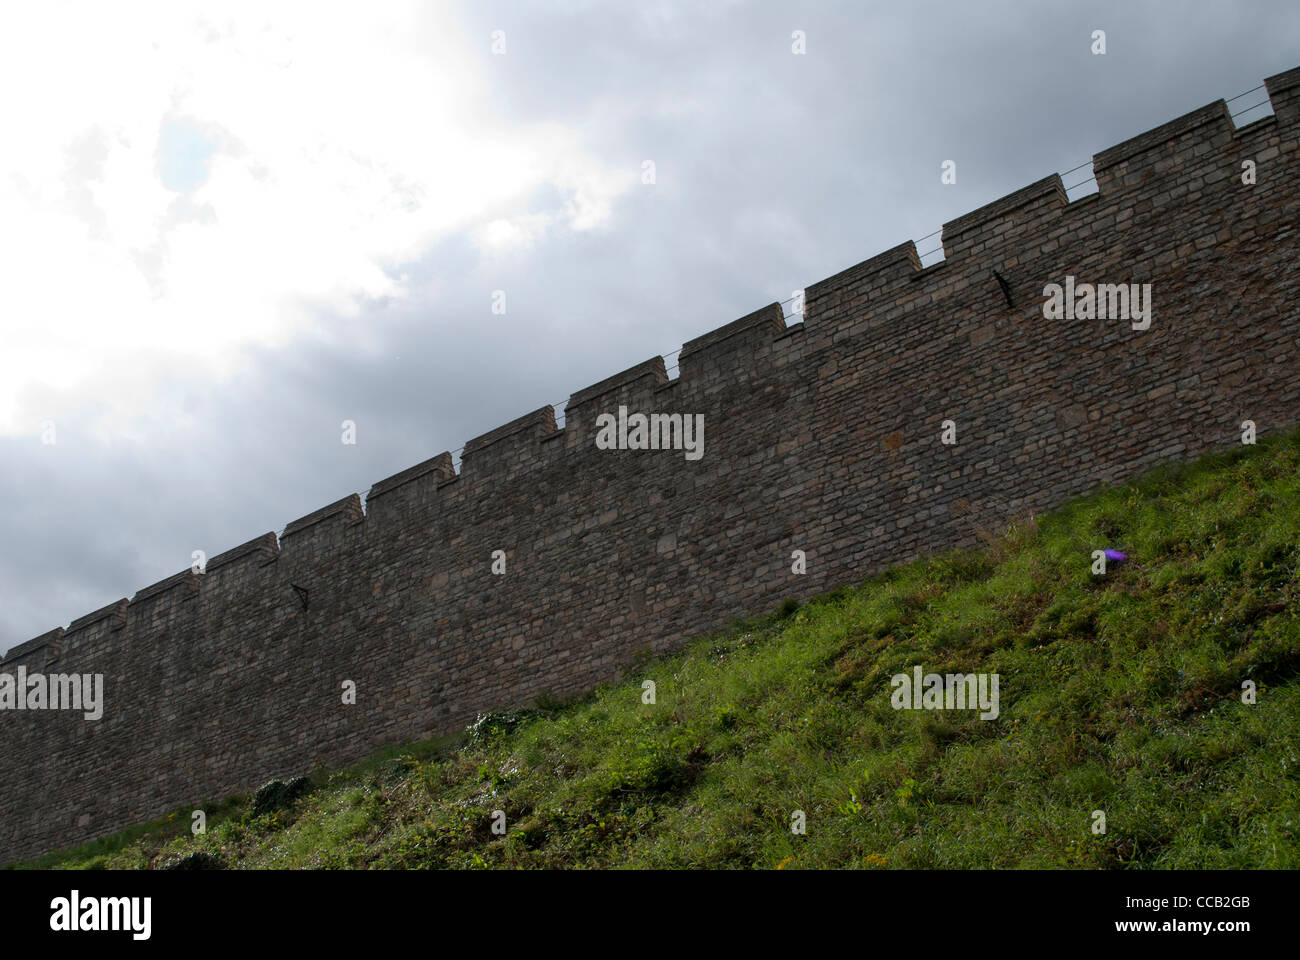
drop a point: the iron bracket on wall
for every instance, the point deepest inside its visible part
(1006, 289)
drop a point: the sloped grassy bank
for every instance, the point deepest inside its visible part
(1120, 694)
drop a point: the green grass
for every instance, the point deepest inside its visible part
(1120, 693)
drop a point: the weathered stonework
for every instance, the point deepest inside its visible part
(823, 437)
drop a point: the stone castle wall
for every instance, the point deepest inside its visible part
(821, 436)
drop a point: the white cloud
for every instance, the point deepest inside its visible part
(343, 147)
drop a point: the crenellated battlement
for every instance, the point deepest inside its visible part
(995, 228)
(733, 347)
(414, 488)
(259, 551)
(1284, 94)
(546, 565)
(972, 239)
(1139, 158)
(36, 653)
(634, 386)
(185, 584)
(507, 447)
(867, 282)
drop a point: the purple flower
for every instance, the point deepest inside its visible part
(1114, 556)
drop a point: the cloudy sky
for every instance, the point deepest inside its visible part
(226, 229)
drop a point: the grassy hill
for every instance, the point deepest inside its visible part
(1120, 693)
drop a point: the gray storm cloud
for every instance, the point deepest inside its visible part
(773, 170)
